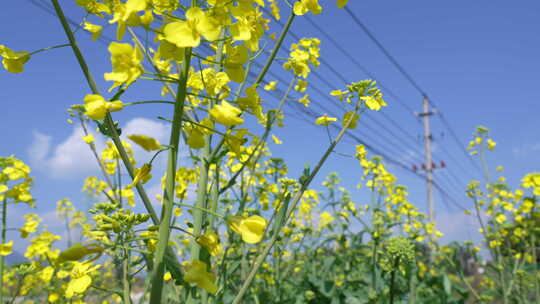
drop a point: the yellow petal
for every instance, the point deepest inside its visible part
(146, 142)
(235, 72)
(342, 3)
(6, 249)
(299, 8)
(95, 106)
(181, 34)
(209, 27)
(77, 286)
(252, 229)
(226, 114)
(196, 274)
(234, 222)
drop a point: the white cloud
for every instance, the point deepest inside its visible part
(40, 147)
(525, 150)
(72, 157)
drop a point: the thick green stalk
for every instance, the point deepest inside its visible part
(168, 195)
(393, 279)
(214, 198)
(3, 241)
(303, 187)
(68, 230)
(200, 203)
(535, 268)
(412, 287)
(110, 124)
(125, 278)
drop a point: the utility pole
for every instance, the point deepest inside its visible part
(428, 160)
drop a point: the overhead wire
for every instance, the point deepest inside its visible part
(345, 81)
(412, 81)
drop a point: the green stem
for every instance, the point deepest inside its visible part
(148, 102)
(3, 241)
(75, 47)
(276, 49)
(68, 230)
(109, 121)
(200, 206)
(459, 270)
(49, 48)
(125, 278)
(393, 279)
(168, 195)
(535, 268)
(214, 197)
(201, 209)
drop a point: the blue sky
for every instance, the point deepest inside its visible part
(477, 60)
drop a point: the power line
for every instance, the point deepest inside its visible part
(456, 139)
(411, 80)
(344, 80)
(358, 65)
(386, 53)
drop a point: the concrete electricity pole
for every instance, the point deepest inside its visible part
(428, 160)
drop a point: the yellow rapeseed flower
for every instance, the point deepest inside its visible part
(96, 107)
(6, 249)
(325, 219)
(80, 279)
(94, 29)
(250, 228)
(341, 3)
(303, 6)
(226, 114)
(126, 64)
(188, 33)
(88, 138)
(196, 274)
(351, 119)
(142, 175)
(325, 120)
(13, 61)
(210, 241)
(271, 86)
(373, 103)
(491, 144)
(501, 218)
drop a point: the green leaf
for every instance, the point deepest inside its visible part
(447, 285)
(280, 219)
(105, 130)
(172, 265)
